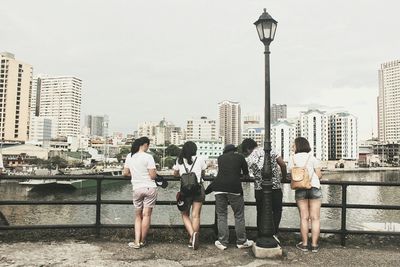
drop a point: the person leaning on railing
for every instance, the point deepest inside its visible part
(189, 162)
(142, 168)
(227, 188)
(308, 200)
(255, 159)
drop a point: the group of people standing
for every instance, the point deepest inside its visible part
(227, 188)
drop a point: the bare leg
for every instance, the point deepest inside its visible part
(146, 222)
(304, 216)
(187, 223)
(315, 209)
(196, 209)
(138, 225)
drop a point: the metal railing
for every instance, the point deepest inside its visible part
(344, 206)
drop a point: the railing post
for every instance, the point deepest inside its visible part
(343, 216)
(98, 206)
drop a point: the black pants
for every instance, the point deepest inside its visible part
(276, 207)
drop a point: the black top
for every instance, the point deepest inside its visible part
(231, 167)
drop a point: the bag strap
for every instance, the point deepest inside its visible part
(194, 162)
(186, 169)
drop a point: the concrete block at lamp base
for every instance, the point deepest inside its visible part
(263, 253)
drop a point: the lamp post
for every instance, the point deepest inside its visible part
(266, 27)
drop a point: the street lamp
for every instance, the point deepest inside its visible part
(266, 27)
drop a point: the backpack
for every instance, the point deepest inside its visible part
(189, 184)
(300, 176)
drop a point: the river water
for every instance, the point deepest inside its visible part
(383, 220)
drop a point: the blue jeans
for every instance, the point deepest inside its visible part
(313, 193)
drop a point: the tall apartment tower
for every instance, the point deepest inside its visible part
(343, 136)
(59, 98)
(389, 102)
(313, 126)
(278, 112)
(15, 87)
(230, 122)
(283, 134)
(201, 129)
(95, 124)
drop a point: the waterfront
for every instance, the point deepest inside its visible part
(384, 220)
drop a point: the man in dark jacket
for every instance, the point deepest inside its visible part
(228, 189)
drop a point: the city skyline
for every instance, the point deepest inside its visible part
(322, 51)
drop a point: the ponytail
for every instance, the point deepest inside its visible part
(135, 146)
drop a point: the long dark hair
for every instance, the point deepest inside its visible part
(189, 149)
(144, 140)
(135, 146)
(138, 143)
(301, 145)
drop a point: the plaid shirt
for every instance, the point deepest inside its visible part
(256, 162)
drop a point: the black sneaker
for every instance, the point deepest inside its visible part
(302, 247)
(315, 248)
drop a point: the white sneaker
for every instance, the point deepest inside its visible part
(134, 245)
(277, 240)
(220, 246)
(247, 244)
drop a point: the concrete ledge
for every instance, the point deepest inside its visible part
(267, 253)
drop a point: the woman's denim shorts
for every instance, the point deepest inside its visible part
(313, 193)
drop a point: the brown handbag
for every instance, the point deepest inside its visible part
(300, 177)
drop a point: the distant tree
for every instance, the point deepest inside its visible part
(157, 158)
(169, 162)
(37, 162)
(122, 153)
(172, 150)
(58, 161)
(157, 152)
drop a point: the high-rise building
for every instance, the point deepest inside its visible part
(283, 134)
(230, 126)
(59, 97)
(161, 133)
(146, 128)
(201, 129)
(15, 86)
(95, 124)
(251, 121)
(389, 102)
(343, 136)
(313, 126)
(257, 134)
(42, 129)
(278, 112)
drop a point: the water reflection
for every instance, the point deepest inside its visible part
(124, 214)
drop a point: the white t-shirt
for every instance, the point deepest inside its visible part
(1, 162)
(199, 166)
(139, 165)
(300, 160)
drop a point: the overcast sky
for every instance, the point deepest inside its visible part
(145, 60)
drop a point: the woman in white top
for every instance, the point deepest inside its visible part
(308, 200)
(187, 161)
(142, 168)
